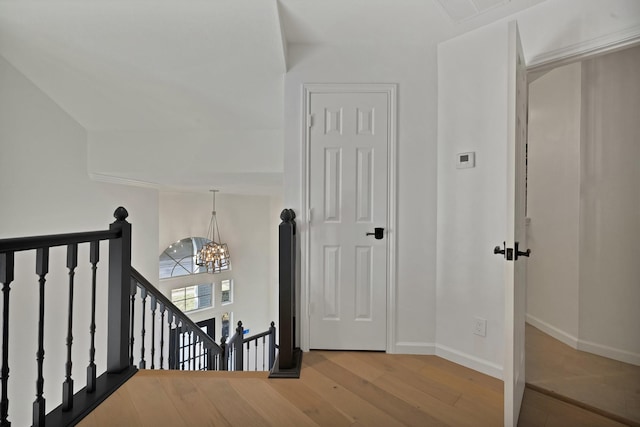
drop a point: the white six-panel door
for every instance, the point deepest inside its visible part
(348, 198)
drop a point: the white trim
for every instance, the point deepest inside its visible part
(582, 345)
(283, 37)
(469, 361)
(610, 352)
(554, 332)
(577, 51)
(110, 179)
(303, 229)
(420, 348)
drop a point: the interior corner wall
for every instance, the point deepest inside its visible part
(45, 189)
(553, 202)
(246, 224)
(472, 111)
(413, 69)
(610, 206)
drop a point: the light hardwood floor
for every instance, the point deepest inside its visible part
(335, 389)
(611, 386)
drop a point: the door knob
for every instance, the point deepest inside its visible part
(378, 233)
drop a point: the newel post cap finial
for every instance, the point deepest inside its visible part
(287, 215)
(120, 214)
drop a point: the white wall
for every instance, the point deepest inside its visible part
(610, 206)
(246, 224)
(413, 68)
(472, 116)
(45, 189)
(553, 201)
(472, 202)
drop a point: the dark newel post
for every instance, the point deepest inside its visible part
(289, 358)
(272, 344)
(238, 348)
(118, 298)
(6, 277)
(224, 362)
(287, 249)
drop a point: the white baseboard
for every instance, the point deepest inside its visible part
(556, 333)
(409, 347)
(582, 345)
(610, 352)
(469, 361)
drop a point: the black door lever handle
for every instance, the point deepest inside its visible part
(520, 253)
(499, 251)
(378, 233)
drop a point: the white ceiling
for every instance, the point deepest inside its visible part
(203, 64)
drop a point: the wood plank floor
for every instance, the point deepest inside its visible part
(335, 389)
(606, 384)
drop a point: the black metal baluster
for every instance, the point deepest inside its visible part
(186, 347)
(143, 295)
(255, 361)
(134, 289)
(6, 277)
(192, 341)
(153, 307)
(162, 310)
(264, 347)
(94, 257)
(179, 348)
(173, 331)
(67, 385)
(42, 268)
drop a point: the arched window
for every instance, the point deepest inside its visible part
(179, 259)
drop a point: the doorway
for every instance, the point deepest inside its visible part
(348, 249)
(583, 205)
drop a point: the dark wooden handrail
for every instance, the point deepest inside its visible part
(179, 315)
(52, 240)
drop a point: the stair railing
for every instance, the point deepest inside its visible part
(118, 369)
(197, 350)
(193, 349)
(239, 352)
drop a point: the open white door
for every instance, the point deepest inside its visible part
(515, 257)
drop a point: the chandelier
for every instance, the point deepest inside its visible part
(214, 255)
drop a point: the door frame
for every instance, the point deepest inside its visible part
(390, 89)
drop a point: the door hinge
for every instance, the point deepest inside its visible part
(309, 215)
(310, 120)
